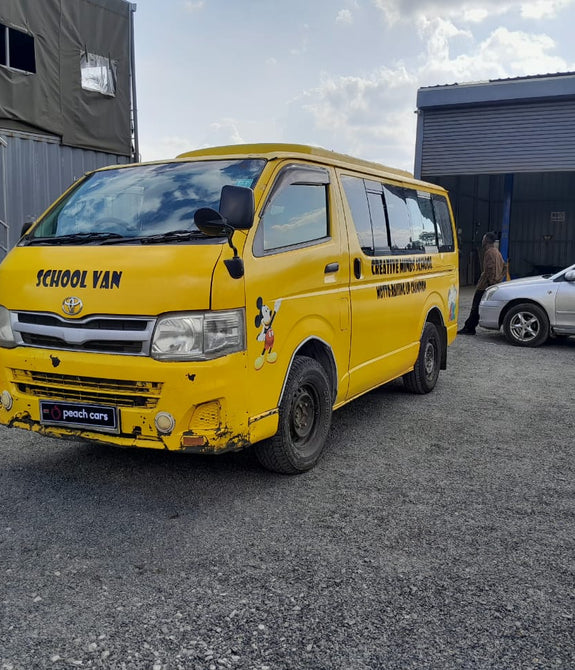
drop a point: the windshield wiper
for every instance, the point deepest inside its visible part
(75, 238)
(171, 236)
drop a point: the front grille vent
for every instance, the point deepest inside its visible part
(95, 390)
(98, 334)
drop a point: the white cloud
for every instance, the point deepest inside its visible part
(164, 148)
(225, 131)
(193, 5)
(543, 9)
(372, 116)
(471, 11)
(475, 15)
(503, 53)
(368, 116)
(344, 16)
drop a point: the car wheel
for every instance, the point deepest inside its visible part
(423, 377)
(526, 325)
(304, 420)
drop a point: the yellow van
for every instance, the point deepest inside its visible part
(234, 296)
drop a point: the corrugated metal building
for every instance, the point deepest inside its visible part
(67, 100)
(505, 149)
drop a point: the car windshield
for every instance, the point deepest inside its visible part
(145, 201)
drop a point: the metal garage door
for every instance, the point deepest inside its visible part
(490, 139)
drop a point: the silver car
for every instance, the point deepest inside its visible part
(532, 309)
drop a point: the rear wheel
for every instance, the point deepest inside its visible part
(304, 420)
(526, 325)
(423, 377)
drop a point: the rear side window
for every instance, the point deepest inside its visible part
(397, 220)
(443, 222)
(424, 234)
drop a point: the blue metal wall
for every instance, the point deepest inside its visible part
(34, 171)
(542, 229)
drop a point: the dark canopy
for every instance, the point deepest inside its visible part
(80, 89)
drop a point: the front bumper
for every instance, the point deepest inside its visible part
(206, 399)
(489, 313)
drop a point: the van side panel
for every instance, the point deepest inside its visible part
(295, 294)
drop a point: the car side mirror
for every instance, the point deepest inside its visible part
(237, 206)
(212, 223)
(570, 276)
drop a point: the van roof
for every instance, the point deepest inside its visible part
(304, 151)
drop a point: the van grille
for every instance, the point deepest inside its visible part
(119, 392)
(98, 334)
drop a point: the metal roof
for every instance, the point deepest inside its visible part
(499, 91)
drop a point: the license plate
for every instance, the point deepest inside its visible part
(79, 415)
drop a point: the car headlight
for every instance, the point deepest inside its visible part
(199, 336)
(6, 333)
(489, 293)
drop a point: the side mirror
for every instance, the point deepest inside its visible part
(237, 206)
(570, 276)
(210, 222)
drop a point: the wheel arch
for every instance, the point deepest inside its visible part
(435, 317)
(320, 351)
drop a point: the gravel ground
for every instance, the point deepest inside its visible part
(437, 532)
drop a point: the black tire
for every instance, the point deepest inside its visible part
(526, 325)
(304, 420)
(423, 377)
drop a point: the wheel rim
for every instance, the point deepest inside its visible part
(305, 407)
(430, 359)
(524, 326)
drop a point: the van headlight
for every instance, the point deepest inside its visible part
(6, 333)
(198, 336)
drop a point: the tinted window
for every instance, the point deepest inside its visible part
(398, 217)
(422, 221)
(379, 224)
(357, 200)
(443, 221)
(297, 213)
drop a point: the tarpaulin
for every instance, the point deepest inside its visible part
(61, 98)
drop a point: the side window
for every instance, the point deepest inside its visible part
(422, 221)
(17, 49)
(379, 224)
(357, 200)
(398, 217)
(365, 201)
(443, 221)
(296, 212)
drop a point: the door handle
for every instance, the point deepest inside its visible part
(331, 267)
(357, 268)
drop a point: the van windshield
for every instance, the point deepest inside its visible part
(154, 202)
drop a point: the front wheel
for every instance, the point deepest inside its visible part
(526, 325)
(423, 377)
(304, 420)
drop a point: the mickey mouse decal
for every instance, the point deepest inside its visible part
(264, 320)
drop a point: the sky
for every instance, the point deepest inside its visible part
(340, 74)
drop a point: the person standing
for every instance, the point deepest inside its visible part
(493, 273)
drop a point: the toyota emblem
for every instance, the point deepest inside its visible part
(72, 306)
